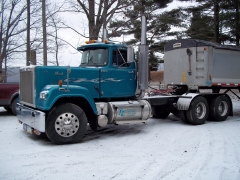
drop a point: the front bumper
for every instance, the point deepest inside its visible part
(31, 117)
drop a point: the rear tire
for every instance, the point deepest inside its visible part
(66, 123)
(220, 108)
(198, 111)
(160, 112)
(175, 112)
(183, 116)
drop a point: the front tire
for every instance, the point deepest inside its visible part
(198, 111)
(66, 123)
(220, 108)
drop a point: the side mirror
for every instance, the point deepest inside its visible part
(130, 54)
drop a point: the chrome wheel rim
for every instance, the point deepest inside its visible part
(200, 110)
(223, 108)
(67, 124)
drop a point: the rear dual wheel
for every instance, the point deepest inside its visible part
(220, 108)
(183, 116)
(198, 111)
(160, 112)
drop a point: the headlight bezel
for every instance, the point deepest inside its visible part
(43, 95)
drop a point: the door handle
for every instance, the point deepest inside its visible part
(131, 72)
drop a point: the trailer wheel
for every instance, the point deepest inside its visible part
(160, 112)
(220, 108)
(183, 116)
(198, 111)
(66, 123)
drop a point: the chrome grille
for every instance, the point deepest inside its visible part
(27, 86)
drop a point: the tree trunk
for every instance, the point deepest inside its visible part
(92, 28)
(28, 34)
(237, 23)
(44, 33)
(216, 21)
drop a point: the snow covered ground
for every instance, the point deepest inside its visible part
(160, 149)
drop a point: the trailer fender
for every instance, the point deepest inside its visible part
(185, 100)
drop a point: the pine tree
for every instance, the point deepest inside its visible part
(159, 25)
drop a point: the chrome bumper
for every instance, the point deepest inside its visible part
(31, 117)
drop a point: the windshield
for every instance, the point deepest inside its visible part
(94, 57)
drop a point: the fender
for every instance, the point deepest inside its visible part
(185, 100)
(54, 92)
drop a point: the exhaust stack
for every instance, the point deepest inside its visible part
(143, 59)
(105, 34)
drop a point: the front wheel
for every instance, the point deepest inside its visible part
(220, 108)
(66, 123)
(198, 111)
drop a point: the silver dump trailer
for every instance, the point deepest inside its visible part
(201, 65)
(189, 67)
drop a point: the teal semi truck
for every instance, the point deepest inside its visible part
(108, 87)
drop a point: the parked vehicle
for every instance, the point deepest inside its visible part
(9, 95)
(107, 88)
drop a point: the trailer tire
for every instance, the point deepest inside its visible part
(66, 123)
(160, 112)
(183, 116)
(220, 108)
(198, 111)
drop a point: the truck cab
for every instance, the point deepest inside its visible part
(111, 74)
(62, 101)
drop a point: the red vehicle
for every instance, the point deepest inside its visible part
(9, 95)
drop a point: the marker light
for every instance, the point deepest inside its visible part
(60, 83)
(90, 41)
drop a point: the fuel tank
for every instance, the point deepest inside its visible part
(128, 111)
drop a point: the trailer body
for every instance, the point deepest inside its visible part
(201, 64)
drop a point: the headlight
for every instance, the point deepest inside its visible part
(43, 95)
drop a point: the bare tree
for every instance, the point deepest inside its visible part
(12, 14)
(98, 13)
(54, 25)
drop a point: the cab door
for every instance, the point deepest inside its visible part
(123, 74)
(118, 79)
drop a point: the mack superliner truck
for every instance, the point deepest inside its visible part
(108, 88)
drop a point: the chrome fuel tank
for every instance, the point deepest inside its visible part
(128, 111)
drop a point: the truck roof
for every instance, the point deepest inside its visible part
(101, 45)
(187, 43)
